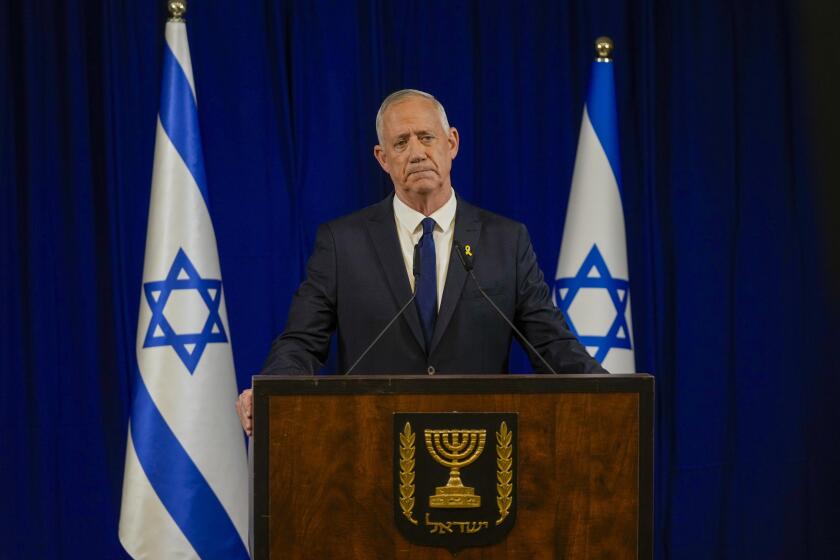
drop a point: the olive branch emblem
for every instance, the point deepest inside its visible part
(504, 472)
(407, 438)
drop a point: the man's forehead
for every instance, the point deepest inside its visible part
(411, 113)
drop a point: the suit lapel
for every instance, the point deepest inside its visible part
(467, 232)
(383, 234)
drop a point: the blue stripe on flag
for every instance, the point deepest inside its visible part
(600, 104)
(179, 117)
(182, 488)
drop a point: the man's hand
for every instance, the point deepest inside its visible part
(244, 407)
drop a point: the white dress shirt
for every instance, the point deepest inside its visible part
(409, 230)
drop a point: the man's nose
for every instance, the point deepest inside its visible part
(417, 151)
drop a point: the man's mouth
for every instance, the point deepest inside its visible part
(425, 170)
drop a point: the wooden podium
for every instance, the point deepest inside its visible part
(323, 461)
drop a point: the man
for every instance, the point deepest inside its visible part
(364, 268)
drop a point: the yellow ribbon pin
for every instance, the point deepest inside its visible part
(467, 251)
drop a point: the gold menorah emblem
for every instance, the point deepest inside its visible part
(455, 449)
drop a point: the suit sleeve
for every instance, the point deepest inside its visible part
(303, 346)
(540, 320)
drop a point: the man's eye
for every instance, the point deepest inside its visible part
(427, 138)
(400, 144)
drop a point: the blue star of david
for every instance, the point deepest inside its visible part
(618, 334)
(183, 276)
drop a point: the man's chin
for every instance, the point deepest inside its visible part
(423, 185)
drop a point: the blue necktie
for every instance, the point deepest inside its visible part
(426, 288)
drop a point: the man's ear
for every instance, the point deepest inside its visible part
(379, 154)
(454, 141)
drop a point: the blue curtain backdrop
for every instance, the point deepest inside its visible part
(729, 290)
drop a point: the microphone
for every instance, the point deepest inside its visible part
(416, 272)
(465, 255)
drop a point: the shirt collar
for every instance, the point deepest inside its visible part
(410, 219)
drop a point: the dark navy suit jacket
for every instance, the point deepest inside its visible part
(356, 281)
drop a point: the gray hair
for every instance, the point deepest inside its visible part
(402, 94)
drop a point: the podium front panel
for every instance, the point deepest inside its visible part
(323, 464)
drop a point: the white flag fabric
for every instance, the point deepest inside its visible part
(185, 492)
(592, 284)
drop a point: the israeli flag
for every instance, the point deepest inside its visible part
(185, 492)
(592, 285)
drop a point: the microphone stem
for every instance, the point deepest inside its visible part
(381, 333)
(510, 323)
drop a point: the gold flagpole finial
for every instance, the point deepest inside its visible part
(603, 49)
(177, 9)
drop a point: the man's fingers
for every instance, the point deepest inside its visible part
(247, 402)
(244, 405)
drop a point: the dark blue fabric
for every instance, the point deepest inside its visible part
(426, 282)
(729, 296)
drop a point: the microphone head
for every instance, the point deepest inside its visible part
(465, 255)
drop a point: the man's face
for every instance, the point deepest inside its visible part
(416, 151)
